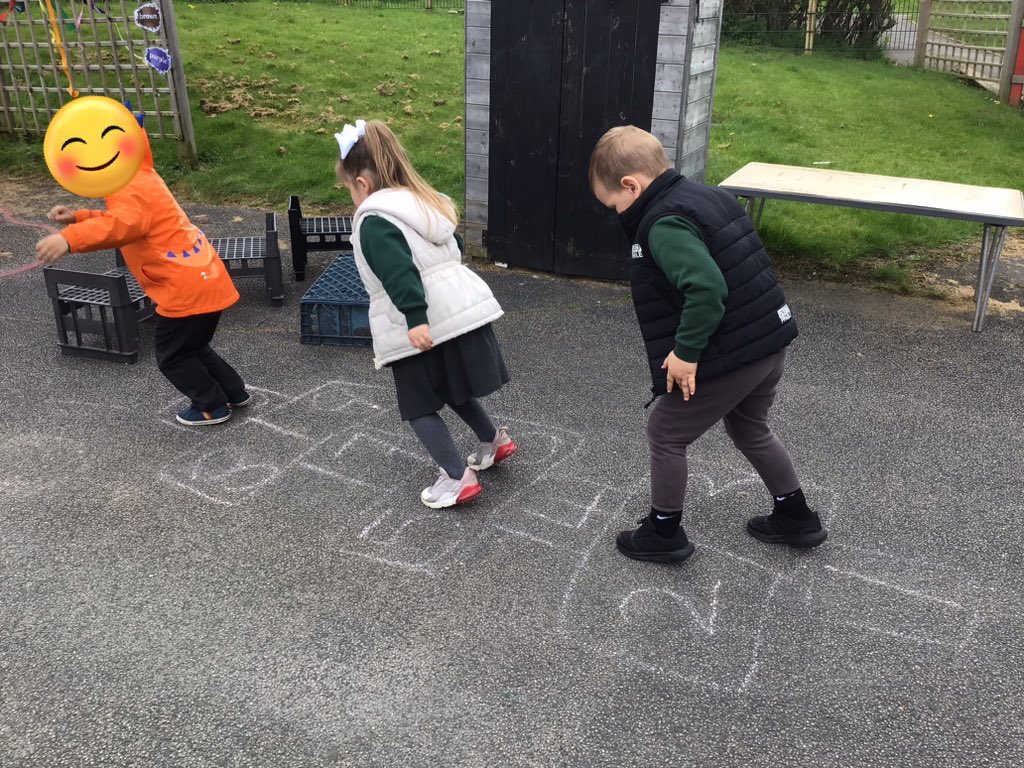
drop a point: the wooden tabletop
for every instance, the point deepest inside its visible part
(989, 205)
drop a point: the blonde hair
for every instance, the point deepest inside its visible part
(625, 151)
(379, 155)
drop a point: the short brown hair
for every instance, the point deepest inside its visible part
(624, 151)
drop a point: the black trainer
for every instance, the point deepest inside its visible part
(792, 522)
(645, 544)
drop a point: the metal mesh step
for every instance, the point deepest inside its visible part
(231, 248)
(326, 225)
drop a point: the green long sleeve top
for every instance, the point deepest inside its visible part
(679, 250)
(389, 257)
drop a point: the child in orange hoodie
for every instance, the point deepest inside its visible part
(179, 270)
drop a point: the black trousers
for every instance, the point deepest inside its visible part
(184, 356)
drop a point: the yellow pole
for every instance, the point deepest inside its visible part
(812, 22)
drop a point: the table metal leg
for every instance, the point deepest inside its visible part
(992, 240)
(755, 207)
(760, 210)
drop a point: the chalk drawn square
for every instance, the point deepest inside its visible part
(700, 624)
(893, 599)
(234, 467)
(379, 461)
(542, 447)
(415, 540)
(330, 407)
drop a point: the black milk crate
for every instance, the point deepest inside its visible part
(255, 257)
(314, 233)
(98, 315)
(336, 310)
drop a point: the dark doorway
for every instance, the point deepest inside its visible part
(562, 73)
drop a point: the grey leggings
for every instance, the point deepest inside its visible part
(741, 400)
(434, 434)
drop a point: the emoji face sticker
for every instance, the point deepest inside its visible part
(93, 146)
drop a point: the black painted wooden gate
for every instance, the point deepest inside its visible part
(562, 73)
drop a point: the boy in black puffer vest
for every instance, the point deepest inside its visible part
(712, 313)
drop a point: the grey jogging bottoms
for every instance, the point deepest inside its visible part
(741, 400)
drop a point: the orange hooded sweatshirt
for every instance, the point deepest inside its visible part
(172, 260)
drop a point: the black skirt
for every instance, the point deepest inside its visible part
(451, 373)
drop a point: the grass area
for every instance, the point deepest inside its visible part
(864, 116)
(271, 82)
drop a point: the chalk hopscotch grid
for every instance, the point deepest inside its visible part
(565, 445)
(793, 572)
(497, 524)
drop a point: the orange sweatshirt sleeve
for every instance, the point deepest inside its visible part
(124, 222)
(87, 213)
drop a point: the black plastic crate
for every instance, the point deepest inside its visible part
(335, 309)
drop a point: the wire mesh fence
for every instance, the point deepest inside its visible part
(846, 30)
(871, 25)
(972, 39)
(446, 5)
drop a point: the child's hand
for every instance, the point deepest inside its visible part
(419, 337)
(61, 214)
(51, 248)
(681, 374)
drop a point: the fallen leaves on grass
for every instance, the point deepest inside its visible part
(210, 107)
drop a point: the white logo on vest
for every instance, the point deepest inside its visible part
(784, 313)
(638, 252)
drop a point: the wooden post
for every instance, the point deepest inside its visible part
(924, 20)
(5, 107)
(429, 4)
(187, 145)
(1010, 56)
(812, 23)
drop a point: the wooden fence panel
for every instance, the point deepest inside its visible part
(108, 51)
(966, 38)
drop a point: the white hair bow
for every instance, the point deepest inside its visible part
(350, 136)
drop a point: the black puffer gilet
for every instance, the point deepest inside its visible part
(757, 321)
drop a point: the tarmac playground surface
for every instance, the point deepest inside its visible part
(272, 593)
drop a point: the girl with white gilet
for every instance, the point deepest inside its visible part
(430, 316)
